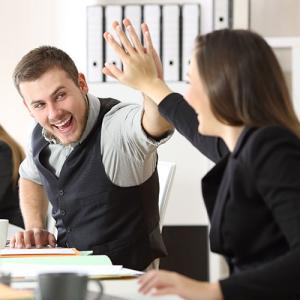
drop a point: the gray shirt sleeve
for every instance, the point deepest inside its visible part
(28, 169)
(128, 154)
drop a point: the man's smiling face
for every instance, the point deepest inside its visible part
(57, 104)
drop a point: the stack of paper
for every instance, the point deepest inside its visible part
(96, 266)
(13, 252)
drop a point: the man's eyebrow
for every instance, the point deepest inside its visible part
(56, 91)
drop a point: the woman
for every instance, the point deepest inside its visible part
(11, 155)
(239, 114)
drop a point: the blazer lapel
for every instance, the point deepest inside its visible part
(222, 177)
(221, 198)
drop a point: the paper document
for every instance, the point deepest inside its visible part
(95, 260)
(32, 270)
(8, 252)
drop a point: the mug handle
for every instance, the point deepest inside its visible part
(100, 286)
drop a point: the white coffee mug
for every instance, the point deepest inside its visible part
(3, 232)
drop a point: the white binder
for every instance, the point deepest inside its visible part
(112, 13)
(190, 29)
(94, 15)
(152, 17)
(170, 41)
(207, 16)
(134, 13)
(222, 14)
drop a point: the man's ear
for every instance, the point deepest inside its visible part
(82, 83)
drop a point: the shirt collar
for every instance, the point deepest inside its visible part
(94, 108)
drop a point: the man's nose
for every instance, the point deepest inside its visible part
(54, 112)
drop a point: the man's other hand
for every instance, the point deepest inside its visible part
(35, 237)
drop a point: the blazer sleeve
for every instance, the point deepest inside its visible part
(275, 169)
(179, 113)
(6, 167)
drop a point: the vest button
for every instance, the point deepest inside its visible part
(68, 229)
(62, 212)
(61, 192)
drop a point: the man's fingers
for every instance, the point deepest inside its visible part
(38, 238)
(28, 238)
(19, 240)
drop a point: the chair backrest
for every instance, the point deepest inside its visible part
(166, 171)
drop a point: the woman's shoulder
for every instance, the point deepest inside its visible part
(4, 145)
(4, 148)
(274, 133)
(269, 140)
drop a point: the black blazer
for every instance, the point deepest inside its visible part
(9, 199)
(252, 197)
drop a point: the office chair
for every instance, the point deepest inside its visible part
(166, 172)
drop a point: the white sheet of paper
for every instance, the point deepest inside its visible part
(35, 251)
(32, 270)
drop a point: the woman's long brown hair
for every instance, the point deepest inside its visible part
(17, 152)
(244, 81)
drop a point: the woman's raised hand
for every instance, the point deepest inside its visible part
(141, 66)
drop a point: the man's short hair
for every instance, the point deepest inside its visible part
(40, 60)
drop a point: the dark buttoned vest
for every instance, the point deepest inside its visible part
(91, 212)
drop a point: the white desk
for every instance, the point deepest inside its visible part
(126, 289)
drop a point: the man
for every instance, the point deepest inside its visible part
(94, 159)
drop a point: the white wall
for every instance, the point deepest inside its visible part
(20, 30)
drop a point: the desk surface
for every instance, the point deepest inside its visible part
(122, 289)
(128, 289)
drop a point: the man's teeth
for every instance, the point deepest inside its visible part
(61, 124)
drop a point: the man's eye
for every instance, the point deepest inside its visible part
(38, 106)
(60, 96)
